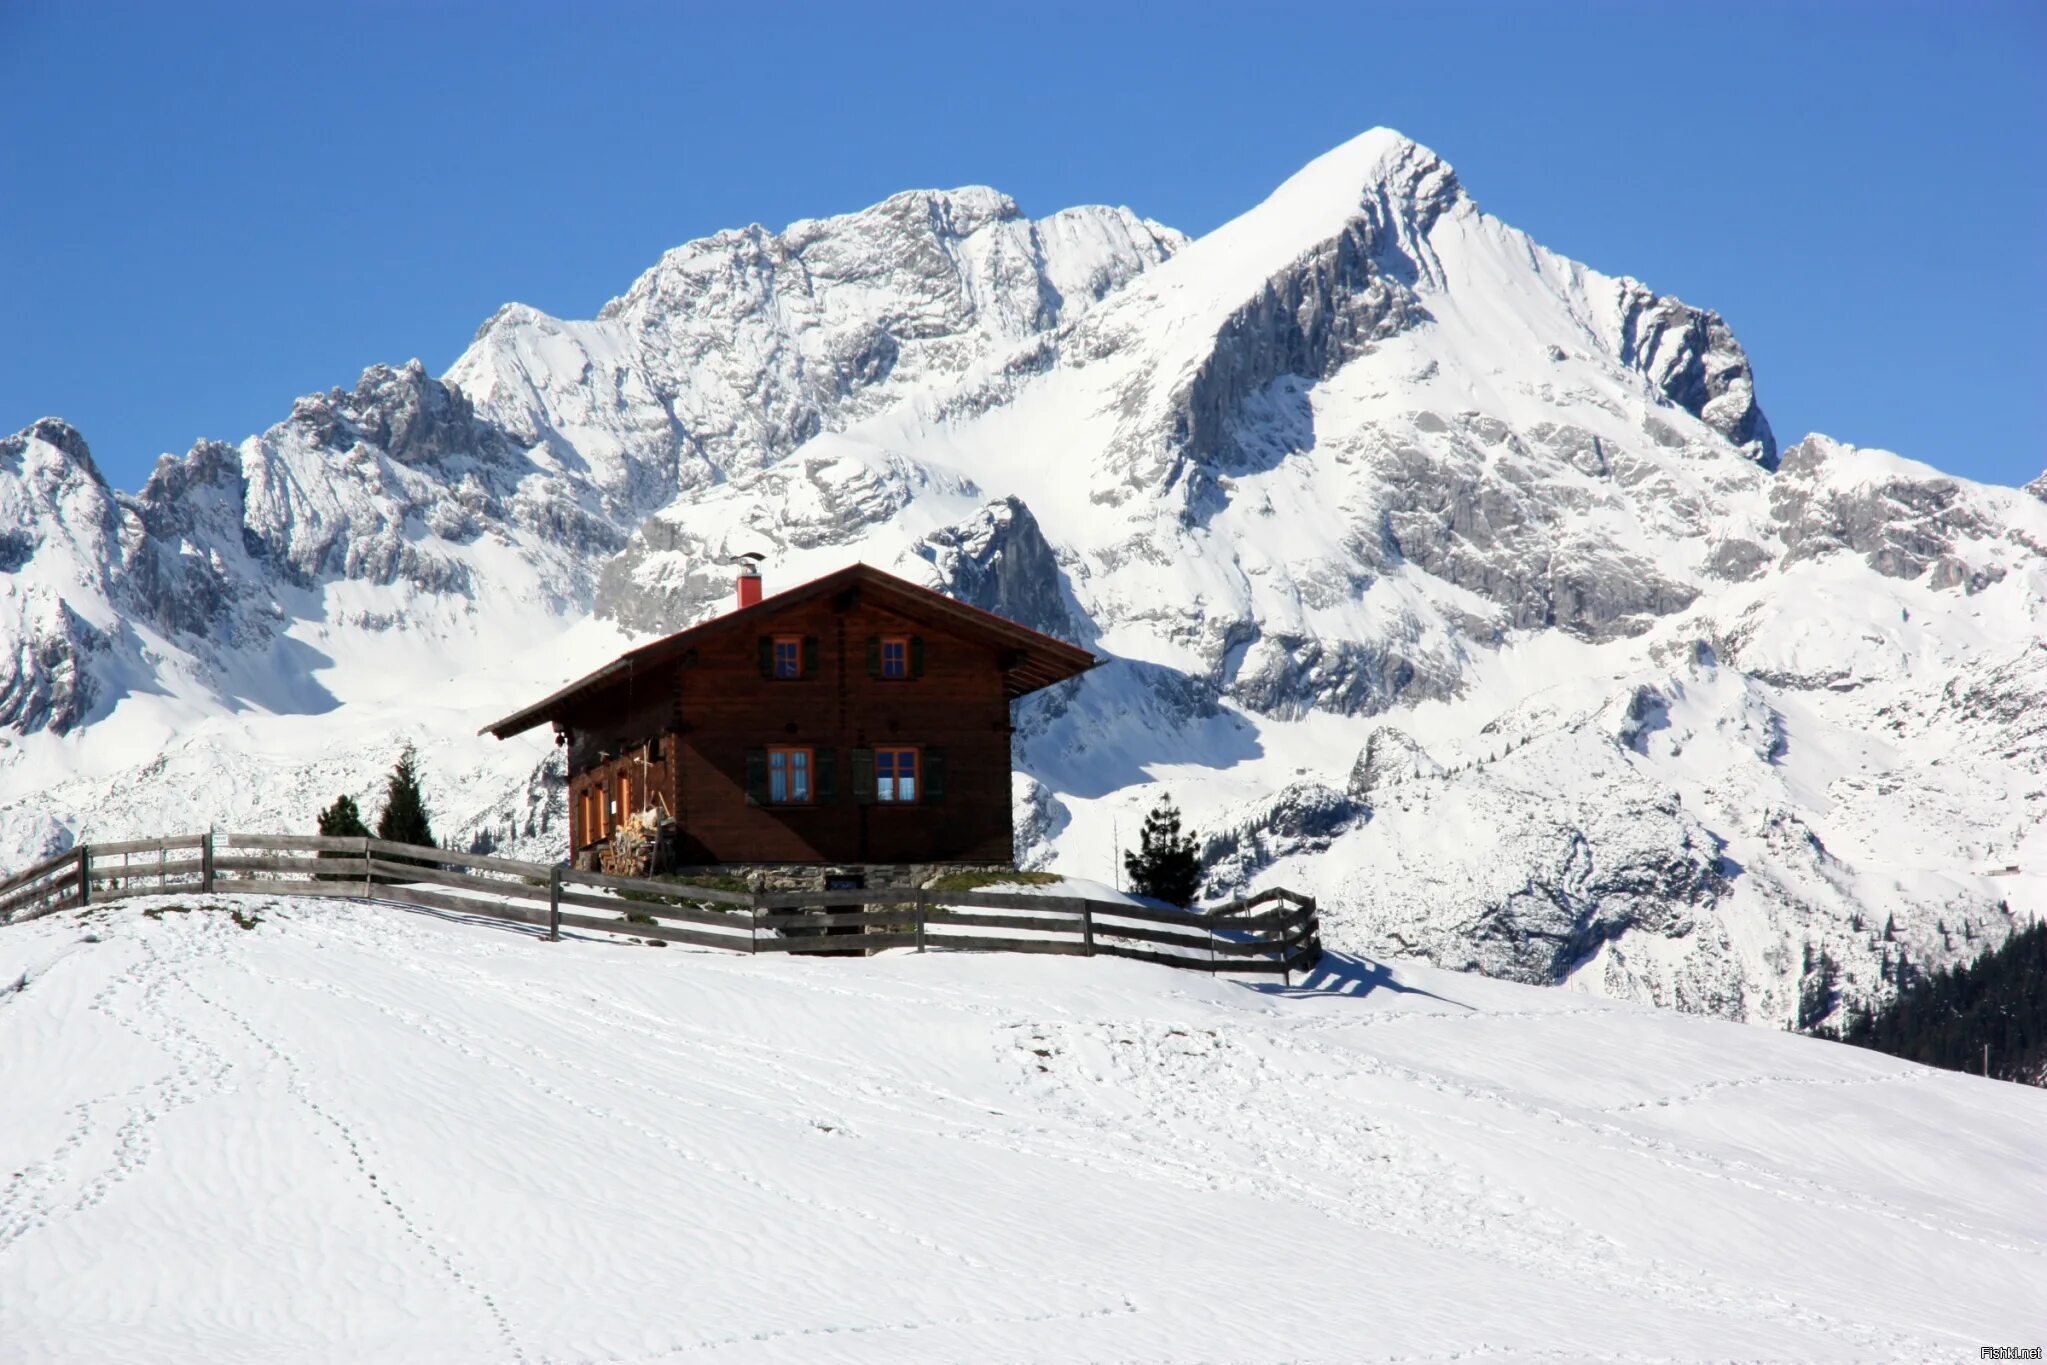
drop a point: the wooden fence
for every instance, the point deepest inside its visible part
(1273, 931)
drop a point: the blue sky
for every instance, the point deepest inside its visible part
(212, 209)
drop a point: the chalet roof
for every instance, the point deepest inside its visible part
(1035, 659)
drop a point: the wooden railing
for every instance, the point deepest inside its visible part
(1273, 931)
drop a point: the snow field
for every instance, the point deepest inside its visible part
(354, 1133)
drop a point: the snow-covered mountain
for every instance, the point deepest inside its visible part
(1442, 576)
(317, 1131)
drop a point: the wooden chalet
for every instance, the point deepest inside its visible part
(852, 721)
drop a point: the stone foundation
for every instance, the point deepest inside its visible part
(813, 876)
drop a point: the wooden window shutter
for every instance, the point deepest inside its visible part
(874, 656)
(824, 781)
(767, 656)
(934, 775)
(916, 656)
(863, 776)
(810, 656)
(756, 777)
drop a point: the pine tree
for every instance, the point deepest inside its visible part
(343, 820)
(404, 820)
(1165, 866)
(1817, 993)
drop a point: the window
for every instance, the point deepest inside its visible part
(789, 776)
(895, 775)
(788, 657)
(895, 657)
(899, 775)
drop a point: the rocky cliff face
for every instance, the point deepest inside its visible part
(61, 532)
(1694, 361)
(734, 350)
(1433, 573)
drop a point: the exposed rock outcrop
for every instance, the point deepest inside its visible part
(1390, 757)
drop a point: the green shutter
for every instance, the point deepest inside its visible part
(934, 775)
(756, 777)
(825, 775)
(810, 656)
(863, 776)
(916, 656)
(767, 656)
(874, 656)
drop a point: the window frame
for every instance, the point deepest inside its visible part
(916, 753)
(809, 752)
(795, 646)
(901, 642)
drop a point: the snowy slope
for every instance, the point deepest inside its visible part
(1439, 575)
(354, 1133)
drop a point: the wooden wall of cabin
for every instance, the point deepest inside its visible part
(957, 706)
(625, 734)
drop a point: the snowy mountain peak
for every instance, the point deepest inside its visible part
(1380, 183)
(735, 349)
(60, 437)
(957, 213)
(61, 529)
(1377, 167)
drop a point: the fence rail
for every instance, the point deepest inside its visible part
(1275, 930)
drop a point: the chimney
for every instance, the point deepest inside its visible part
(749, 580)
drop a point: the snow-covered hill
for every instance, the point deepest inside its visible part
(354, 1133)
(1440, 575)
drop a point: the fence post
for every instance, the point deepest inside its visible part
(1087, 928)
(753, 924)
(206, 863)
(921, 893)
(1313, 926)
(85, 874)
(554, 905)
(1286, 957)
(366, 867)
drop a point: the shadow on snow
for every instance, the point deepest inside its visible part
(1345, 974)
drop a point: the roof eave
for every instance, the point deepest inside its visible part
(1049, 647)
(519, 722)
